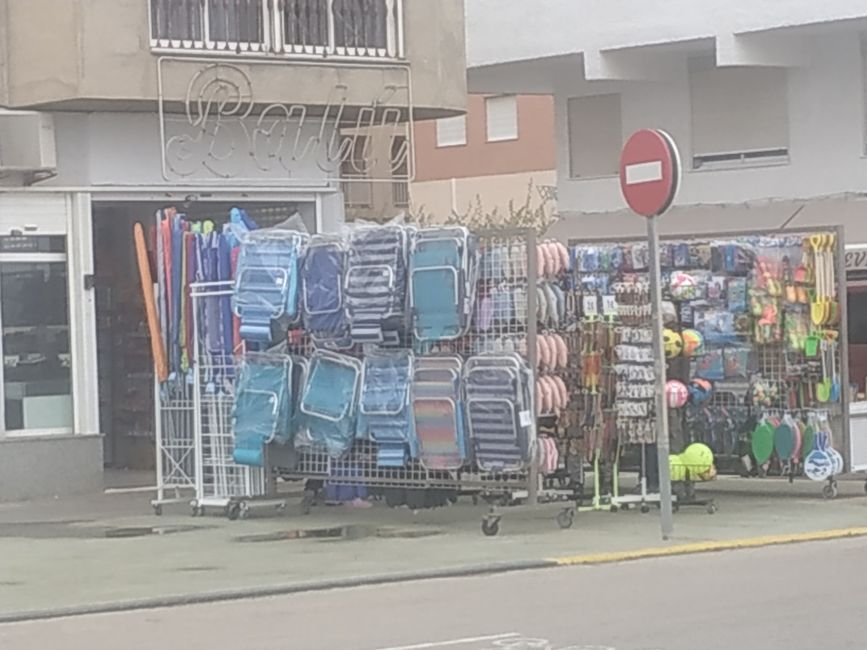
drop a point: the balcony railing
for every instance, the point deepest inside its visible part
(369, 29)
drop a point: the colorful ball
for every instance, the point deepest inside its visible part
(676, 394)
(698, 458)
(672, 342)
(693, 343)
(700, 390)
(683, 286)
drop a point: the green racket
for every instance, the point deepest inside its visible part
(762, 442)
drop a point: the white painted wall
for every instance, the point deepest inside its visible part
(123, 149)
(514, 30)
(826, 117)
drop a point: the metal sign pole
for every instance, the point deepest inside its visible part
(662, 444)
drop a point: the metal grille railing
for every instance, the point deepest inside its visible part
(297, 28)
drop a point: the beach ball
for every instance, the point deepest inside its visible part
(676, 394)
(693, 342)
(672, 342)
(683, 286)
(698, 458)
(700, 390)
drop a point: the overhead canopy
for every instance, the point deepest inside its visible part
(850, 209)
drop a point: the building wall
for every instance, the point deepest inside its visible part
(532, 151)
(515, 30)
(50, 466)
(826, 137)
(95, 51)
(440, 198)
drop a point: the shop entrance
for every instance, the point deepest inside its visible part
(126, 380)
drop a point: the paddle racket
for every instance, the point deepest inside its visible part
(762, 442)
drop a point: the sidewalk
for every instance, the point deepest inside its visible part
(93, 553)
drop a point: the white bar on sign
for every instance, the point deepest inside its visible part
(644, 172)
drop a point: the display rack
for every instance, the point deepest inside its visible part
(752, 299)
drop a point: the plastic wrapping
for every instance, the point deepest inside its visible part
(376, 283)
(267, 281)
(443, 278)
(499, 407)
(263, 406)
(330, 401)
(325, 317)
(384, 415)
(438, 413)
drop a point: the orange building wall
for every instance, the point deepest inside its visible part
(532, 151)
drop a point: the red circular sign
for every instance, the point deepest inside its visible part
(649, 172)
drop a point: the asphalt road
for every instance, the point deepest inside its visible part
(798, 597)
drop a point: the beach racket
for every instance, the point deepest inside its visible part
(762, 442)
(819, 465)
(784, 440)
(158, 350)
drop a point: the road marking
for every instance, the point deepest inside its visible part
(646, 172)
(454, 642)
(709, 547)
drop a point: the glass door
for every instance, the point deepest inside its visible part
(34, 317)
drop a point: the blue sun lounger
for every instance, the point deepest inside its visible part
(330, 401)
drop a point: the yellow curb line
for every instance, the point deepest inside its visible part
(709, 547)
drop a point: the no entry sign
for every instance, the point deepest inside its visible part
(649, 172)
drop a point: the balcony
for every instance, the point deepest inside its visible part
(304, 29)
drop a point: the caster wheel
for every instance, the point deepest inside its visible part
(675, 507)
(233, 511)
(244, 510)
(711, 508)
(645, 508)
(490, 526)
(158, 510)
(613, 508)
(830, 491)
(195, 511)
(565, 519)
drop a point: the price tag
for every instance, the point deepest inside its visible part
(609, 305)
(591, 306)
(524, 418)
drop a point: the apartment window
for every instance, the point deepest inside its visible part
(595, 135)
(400, 171)
(452, 131)
(739, 115)
(354, 167)
(350, 28)
(192, 23)
(501, 114)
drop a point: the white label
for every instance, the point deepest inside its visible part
(524, 418)
(647, 172)
(591, 305)
(609, 305)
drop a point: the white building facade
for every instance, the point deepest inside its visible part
(765, 99)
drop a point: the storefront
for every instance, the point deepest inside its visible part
(77, 387)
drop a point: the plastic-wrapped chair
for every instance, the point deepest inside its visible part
(376, 284)
(438, 413)
(262, 410)
(324, 307)
(384, 413)
(499, 410)
(330, 401)
(443, 276)
(267, 281)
